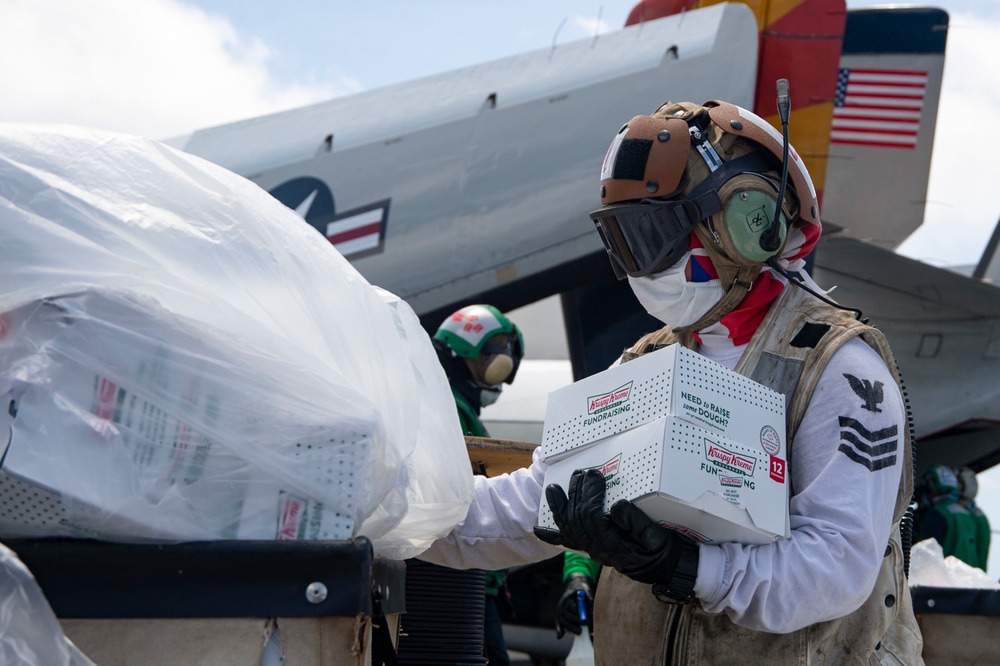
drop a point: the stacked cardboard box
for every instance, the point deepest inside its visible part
(696, 446)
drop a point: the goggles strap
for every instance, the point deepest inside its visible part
(707, 204)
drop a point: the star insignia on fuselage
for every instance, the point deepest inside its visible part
(870, 393)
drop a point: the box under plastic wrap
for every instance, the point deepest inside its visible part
(140, 402)
(183, 358)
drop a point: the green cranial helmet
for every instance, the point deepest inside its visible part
(941, 480)
(490, 342)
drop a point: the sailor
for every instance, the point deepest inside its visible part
(480, 350)
(946, 519)
(689, 218)
(475, 347)
(968, 488)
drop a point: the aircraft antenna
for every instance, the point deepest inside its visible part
(556, 35)
(597, 24)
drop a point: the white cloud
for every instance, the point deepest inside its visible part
(962, 204)
(153, 67)
(594, 25)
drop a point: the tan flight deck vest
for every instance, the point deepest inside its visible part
(788, 353)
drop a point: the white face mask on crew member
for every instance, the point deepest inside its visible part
(489, 395)
(669, 296)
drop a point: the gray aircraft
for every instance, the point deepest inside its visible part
(475, 185)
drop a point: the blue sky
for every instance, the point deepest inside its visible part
(164, 68)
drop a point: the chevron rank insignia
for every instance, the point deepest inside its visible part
(874, 449)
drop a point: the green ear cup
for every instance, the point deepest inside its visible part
(748, 215)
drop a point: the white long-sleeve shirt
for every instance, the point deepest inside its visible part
(497, 531)
(845, 466)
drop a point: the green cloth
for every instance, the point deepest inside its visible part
(468, 416)
(574, 563)
(957, 530)
(982, 532)
(495, 581)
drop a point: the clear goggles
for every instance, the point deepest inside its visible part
(649, 235)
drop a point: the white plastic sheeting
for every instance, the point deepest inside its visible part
(29, 630)
(929, 567)
(188, 359)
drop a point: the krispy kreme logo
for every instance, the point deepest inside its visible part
(601, 403)
(291, 512)
(611, 467)
(609, 471)
(106, 399)
(697, 536)
(730, 460)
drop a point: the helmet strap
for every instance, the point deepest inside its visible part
(735, 294)
(738, 276)
(705, 148)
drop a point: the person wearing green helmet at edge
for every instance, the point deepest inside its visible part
(480, 350)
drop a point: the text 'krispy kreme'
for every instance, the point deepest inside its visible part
(610, 467)
(730, 460)
(609, 471)
(605, 401)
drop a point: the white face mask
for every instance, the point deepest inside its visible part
(487, 396)
(669, 297)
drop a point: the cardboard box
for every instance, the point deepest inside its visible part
(128, 427)
(673, 381)
(157, 477)
(710, 487)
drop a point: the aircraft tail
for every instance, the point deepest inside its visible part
(864, 102)
(801, 41)
(788, 29)
(884, 115)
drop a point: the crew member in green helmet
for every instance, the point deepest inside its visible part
(480, 350)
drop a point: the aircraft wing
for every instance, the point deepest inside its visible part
(446, 187)
(477, 183)
(934, 319)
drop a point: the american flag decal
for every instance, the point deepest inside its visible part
(359, 232)
(878, 107)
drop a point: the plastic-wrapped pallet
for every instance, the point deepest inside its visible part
(182, 357)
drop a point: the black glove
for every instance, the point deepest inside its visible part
(624, 538)
(568, 610)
